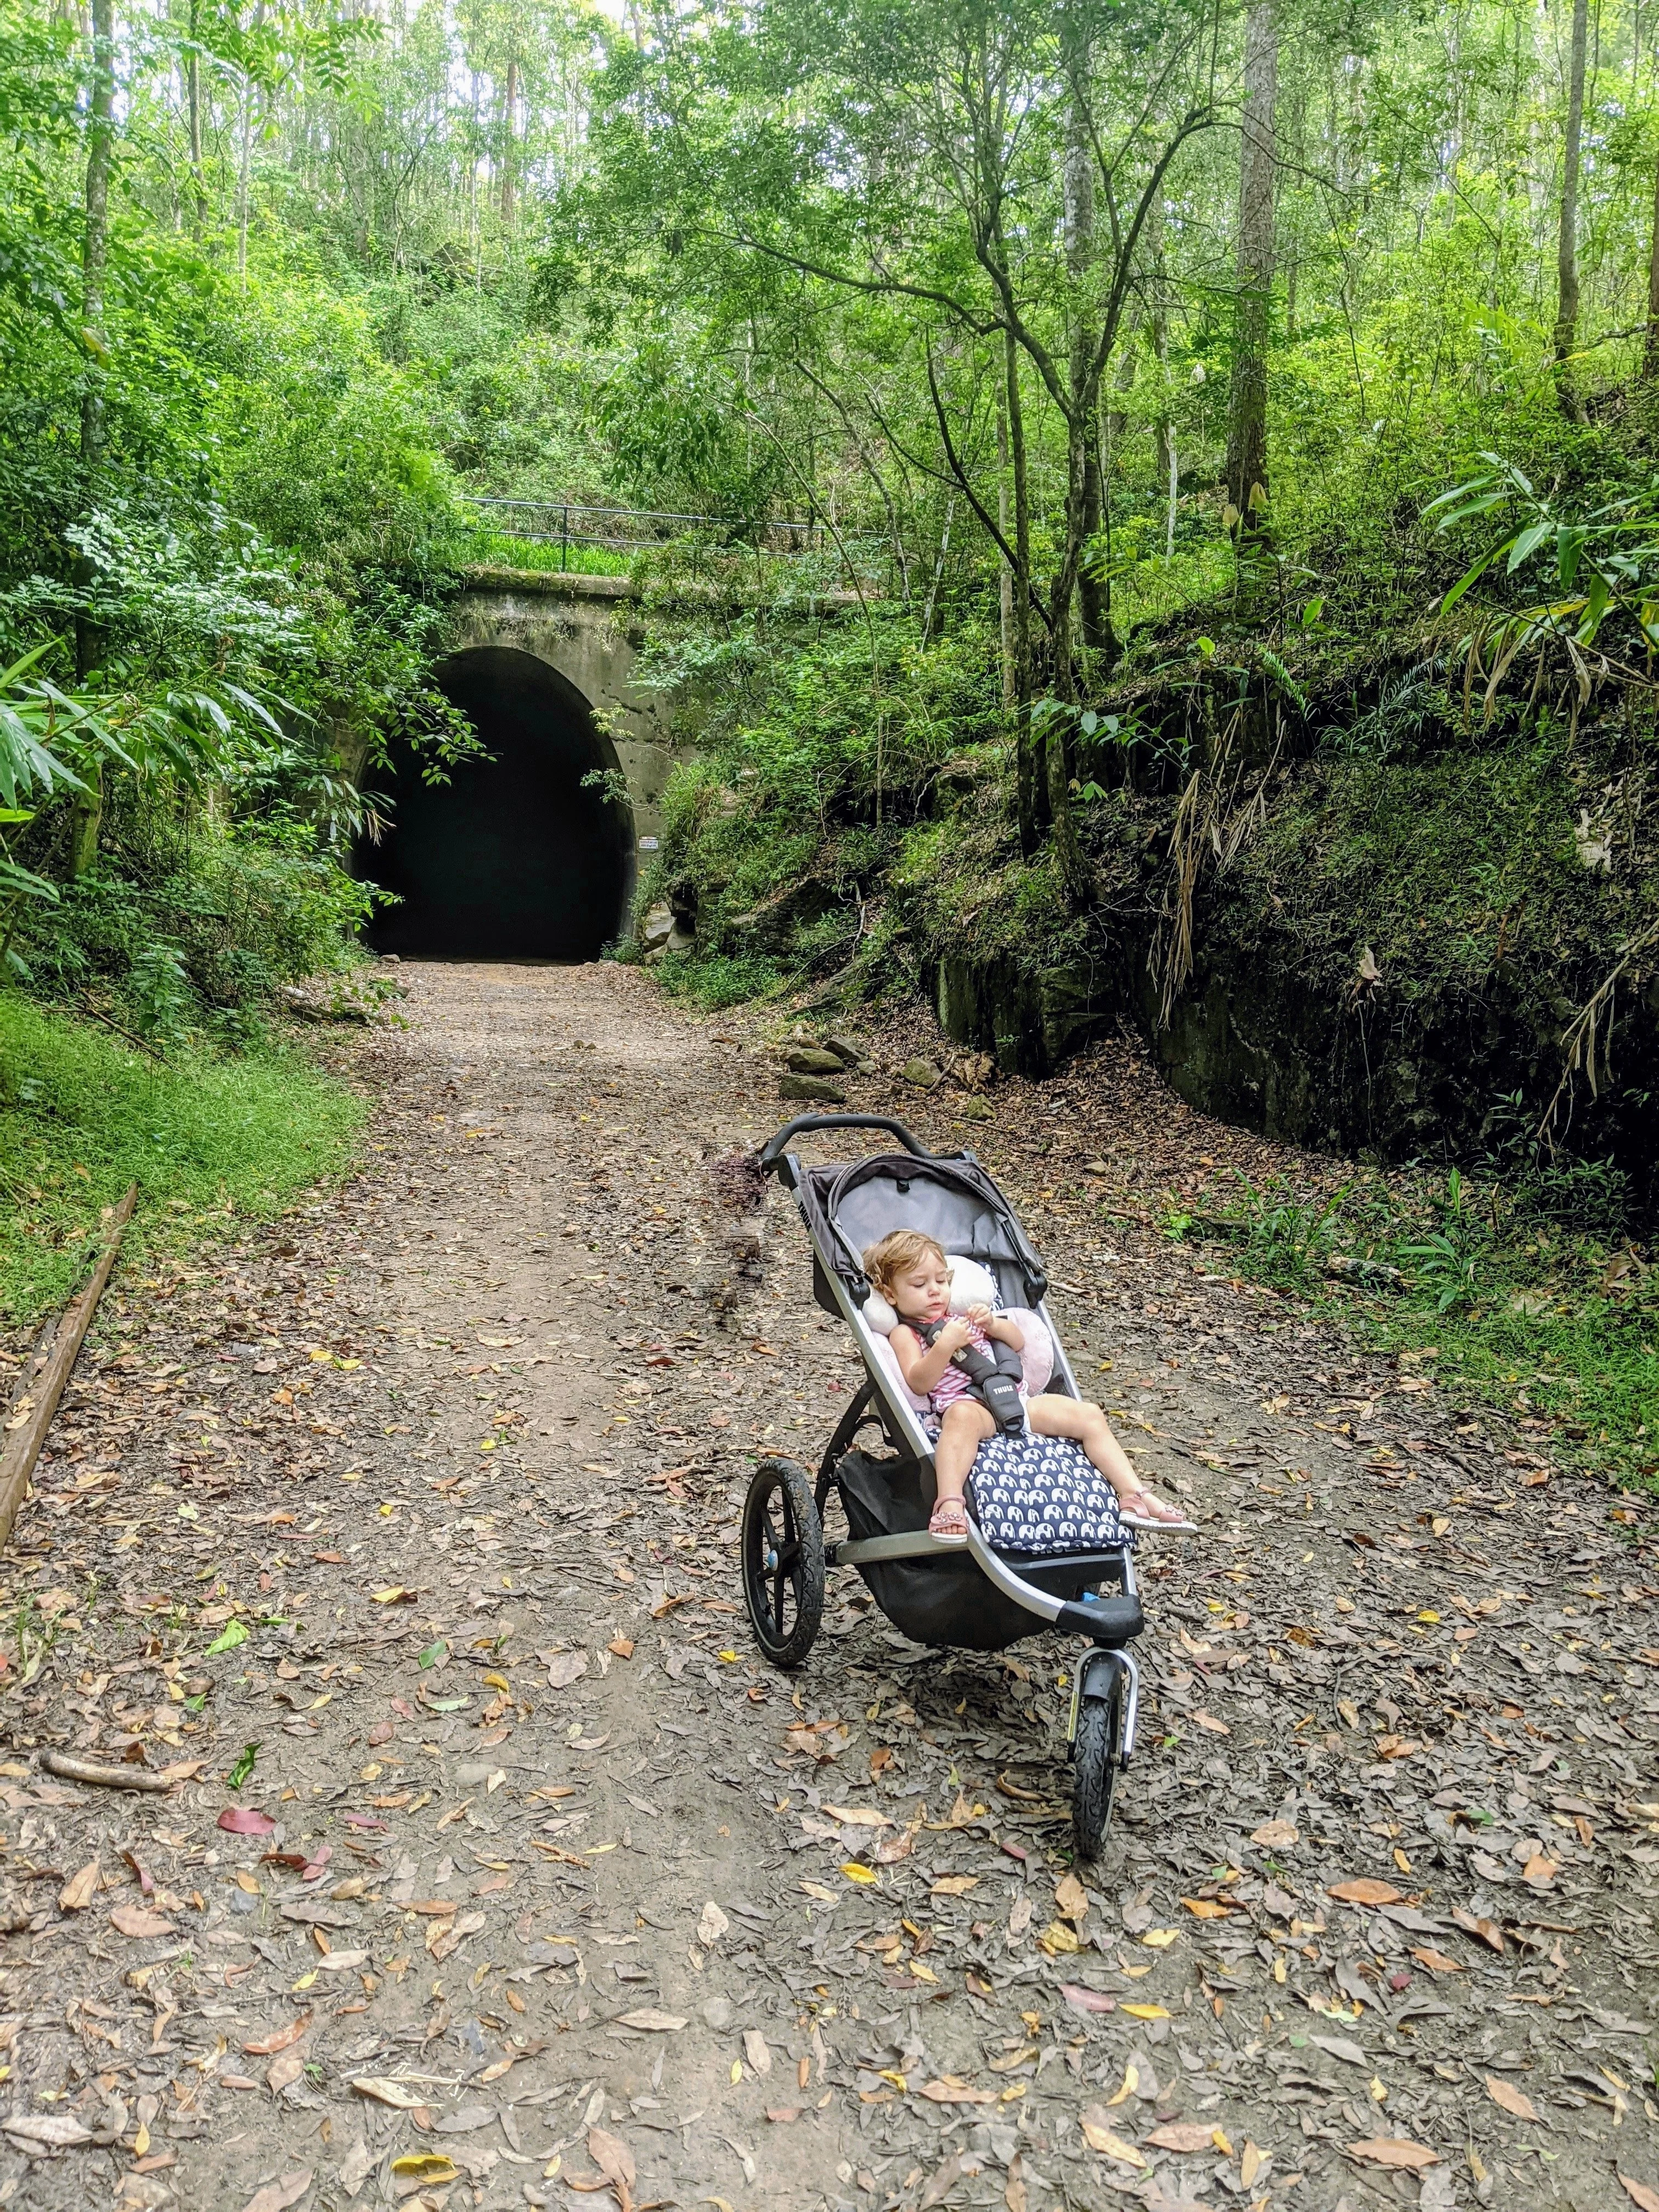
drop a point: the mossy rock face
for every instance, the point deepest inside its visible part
(808, 1060)
(815, 1087)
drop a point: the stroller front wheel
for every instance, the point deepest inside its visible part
(782, 1557)
(1094, 1753)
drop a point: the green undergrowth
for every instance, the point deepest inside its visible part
(1501, 1293)
(495, 548)
(211, 1142)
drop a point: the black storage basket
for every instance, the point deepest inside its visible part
(945, 1601)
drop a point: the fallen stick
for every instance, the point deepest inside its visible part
(108, 1777)
(22, 1444)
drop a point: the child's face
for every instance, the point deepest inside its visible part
(922, 1292)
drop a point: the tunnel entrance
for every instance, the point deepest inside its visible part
(510, 858)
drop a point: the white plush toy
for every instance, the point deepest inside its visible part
(970, 1286)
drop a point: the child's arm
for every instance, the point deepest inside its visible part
(922, 1370)
(1004, 1331)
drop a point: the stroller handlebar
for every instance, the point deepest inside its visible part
(773, 1152)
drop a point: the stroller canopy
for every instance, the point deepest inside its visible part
(847, 1209)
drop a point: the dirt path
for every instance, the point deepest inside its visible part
(430, 1495)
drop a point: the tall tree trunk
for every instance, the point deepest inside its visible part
(1031, 796)
(1650, 350)
(1566, 245)
(509, 143)
(1005, 573)
(193, 107)
(94, 263)
(1080, 207)
(243, 172)
(1164, 439)
(1247, 421)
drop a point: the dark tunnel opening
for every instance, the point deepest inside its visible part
(510, 858)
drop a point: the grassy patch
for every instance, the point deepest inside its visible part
(719, 979)
(209, 1141)
(1477, 1287)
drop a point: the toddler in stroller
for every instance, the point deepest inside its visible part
(949, 1359)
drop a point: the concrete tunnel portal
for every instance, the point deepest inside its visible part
(511, 857)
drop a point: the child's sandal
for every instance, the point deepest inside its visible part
(948, 1522)
(1141, 1508)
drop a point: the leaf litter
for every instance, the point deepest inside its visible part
(527, 1880)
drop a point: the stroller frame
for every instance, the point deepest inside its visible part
(785, 1554)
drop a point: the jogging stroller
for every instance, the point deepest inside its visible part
(1046, 1548)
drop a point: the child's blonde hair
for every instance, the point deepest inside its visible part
(900, 1249)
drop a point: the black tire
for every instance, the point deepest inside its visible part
(782, 1557)
(1094, 1780)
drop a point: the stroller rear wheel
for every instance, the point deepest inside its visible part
(1094, 1753)
(782, 1554)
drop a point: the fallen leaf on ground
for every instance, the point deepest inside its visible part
(1364, 1892)
(954, 1885)
(1110, 2146)
(1146, 2011)
(1275, 1835)
(755, 2051)
(1071, 1898)
(1437, 1961)
(1083, 2000)
(1488, 1931)
(712, 1925)
(277, 2196)
(951, 2089)
(1396, 2151)
(133, 1920)
(422, 2166)
(384, 2091)
(80, 1889)
(1644, 2198)
(51, 2130)
(565, 1668)
(1511, 2099)
(616, 2162)
(279, 2039)
(654, 2022)
(284, 2070)
(1207, 1908)
(1184, 2135)
(245, 1820)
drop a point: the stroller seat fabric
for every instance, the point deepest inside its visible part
(1043, 1495)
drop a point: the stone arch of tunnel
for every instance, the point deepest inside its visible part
(511, 857)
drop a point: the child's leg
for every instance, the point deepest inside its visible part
(1054, 1416)
(961, 1430)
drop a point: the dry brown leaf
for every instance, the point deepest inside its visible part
(1109, 2145)
(279, 2039)
(1364, 1890)
(1071, 1898)
(1207, 1908)
(277, 2196)
(1396, 2151)
(616, 2162)
(284, 2069)
(1184, 2135)
(1511, 2099)
(80, 1889)
(133, 1920)
(1488, 1930)
(1644, 2198)
(1276, 1835)
(385, 2090)
(951, 2089)
(1437, 1961)
(565, 1668)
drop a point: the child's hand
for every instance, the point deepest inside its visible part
(956, 1332)
(980, 1316)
